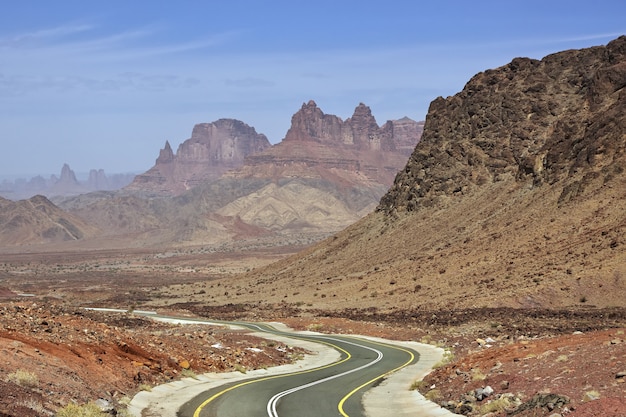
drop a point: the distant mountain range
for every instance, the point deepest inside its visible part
(228, 182)
(65, 185)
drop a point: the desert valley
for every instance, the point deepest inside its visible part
(494, 229)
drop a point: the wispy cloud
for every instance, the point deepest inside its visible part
(137, 52)
(43, 35)
(83, 42)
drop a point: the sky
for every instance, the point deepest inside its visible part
(103, 84)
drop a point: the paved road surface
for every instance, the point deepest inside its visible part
(334, 388)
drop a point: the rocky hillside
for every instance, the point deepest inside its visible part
(558, 122)
(37, 220)
(515, 196)
(213, 149)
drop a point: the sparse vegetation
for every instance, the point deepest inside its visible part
(145, 387)
(591, 395)
(188, 373)
(433, 395)
(496, 406)
(35, 405)
(86, 410)
(315, 327)
(23, 378)
(448, 357)
(478, 375)
(418, 385)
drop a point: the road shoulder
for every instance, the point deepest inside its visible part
(392, 394)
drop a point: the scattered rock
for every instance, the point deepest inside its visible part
(548, 402)
(482, 393)
(104, 405)
(591, 396)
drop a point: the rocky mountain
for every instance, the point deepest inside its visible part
(213, 149)
(38, 220)
(554, 122)
(515, 196)
(326, 174)
(323, 145)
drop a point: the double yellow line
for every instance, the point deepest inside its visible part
(219, 394)
(347, 358)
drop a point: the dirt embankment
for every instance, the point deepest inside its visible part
(51, 355)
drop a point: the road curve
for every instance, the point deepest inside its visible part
(334, 387)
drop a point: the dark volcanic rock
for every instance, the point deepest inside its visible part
(561, 120)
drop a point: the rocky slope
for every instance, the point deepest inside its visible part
(37, 220)
(213, 149)
(514, 197)
(54, 355)
(558, 123)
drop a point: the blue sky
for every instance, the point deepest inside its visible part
(103, 84)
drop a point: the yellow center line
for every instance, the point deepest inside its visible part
(351, 393)
(219, 394)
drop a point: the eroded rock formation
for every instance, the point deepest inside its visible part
(213, 149)
(324, 146)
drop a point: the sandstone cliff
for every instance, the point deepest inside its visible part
(324, 146)
(326, 174)
(213, 149)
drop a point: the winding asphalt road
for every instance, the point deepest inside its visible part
(332, 390)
